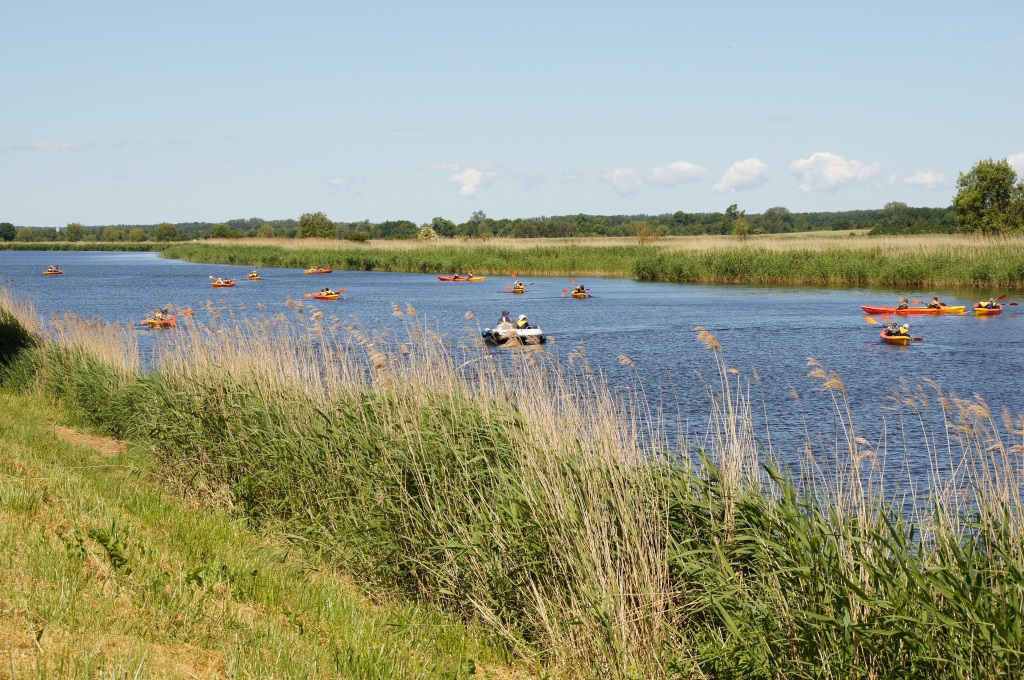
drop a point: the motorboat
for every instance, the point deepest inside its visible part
(507, 334)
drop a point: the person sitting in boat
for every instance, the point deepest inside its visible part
(893, 329)
(935, 304)
(522, 323)
(253, 274)
(905, 329)
(579, 289)
(518, 285)
(51, 268)
(505, 317)
(903, 304)
(469, 275)
(988, 304)
(220, 281)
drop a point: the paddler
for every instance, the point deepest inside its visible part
(903, 304)
(935, 304)
(522, 323)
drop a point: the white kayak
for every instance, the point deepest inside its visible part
(507, 334)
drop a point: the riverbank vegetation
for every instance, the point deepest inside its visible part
(110, 569)
(932, 262)
(519, 493)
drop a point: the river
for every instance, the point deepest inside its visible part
(767, 333)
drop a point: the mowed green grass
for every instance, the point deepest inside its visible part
(103, 573)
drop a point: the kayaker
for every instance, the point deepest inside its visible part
(517, 285)
(988, 304)
(580, 289)
(506, 317)
(522, 323)
(935, 304)
(903, 304)
(469, 275)
(893, 329)
(905, 329)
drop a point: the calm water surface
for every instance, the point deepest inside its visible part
(769, 332)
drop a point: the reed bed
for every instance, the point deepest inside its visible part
(926, 262)
(526, 496)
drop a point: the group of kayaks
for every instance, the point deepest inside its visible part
(899, 334)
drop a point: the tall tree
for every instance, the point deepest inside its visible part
(74, 232)
(7, 231)
(989, 199)
(166, 232)
(316, 225)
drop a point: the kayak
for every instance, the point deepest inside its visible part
(222, 284)
(250, 277)
(518, 291)
(987, 311)
(166, 322)
(54, 272)
(318, 271)
(461, 278)
(949, 309)
(321, 296)
(580, 296)
(507, 334)
(896, 339)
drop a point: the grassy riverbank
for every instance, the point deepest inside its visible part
(111, 569)
(930, 262)
(528, 499)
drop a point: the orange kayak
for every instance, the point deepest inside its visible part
(318, 271)
(166, 322)
(461, 278)
(53, 272)
(987, 311)
(222, 284)
(321, 296)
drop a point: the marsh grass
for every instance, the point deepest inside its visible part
(935, 261)
(531, 499)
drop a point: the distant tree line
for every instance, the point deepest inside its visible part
(894, 218)
(989, 200)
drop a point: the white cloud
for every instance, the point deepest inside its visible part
(745, 174)
(676, 173)
(825, 171)
(927, 179)
(469, 180)
(626, 181)
(440, 167)
(43, 146)
(340, 181)
(1016, 162)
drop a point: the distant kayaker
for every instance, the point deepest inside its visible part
(989, 304)
(935, 304)
(903, 304)
(522, 323)
(580, 289)
(469, 275)
(517, 285)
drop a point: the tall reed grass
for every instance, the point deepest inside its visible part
(926, 262)
(527, 496)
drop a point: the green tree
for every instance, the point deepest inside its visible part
(443, 227)
(777, 220)
(265, 231)
(112, 234)
(741, 228)
(989, 199)
(7, 231)
(74, 232)
(26, 234)
(137, 235)
(316, 225)
(166, 232)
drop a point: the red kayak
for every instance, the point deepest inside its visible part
(461, 278)
(949, 309)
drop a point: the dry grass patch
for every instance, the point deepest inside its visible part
(106, 446)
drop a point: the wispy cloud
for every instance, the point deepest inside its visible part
(347, 183)
(1016, 162)
(469, 180)
(824, 171)
(678, 172)
(927, 180)
(626, 181)
(43, 146)
(746, 174)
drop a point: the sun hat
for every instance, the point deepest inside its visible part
(522, 316)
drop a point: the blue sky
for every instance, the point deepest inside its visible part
(139, 113)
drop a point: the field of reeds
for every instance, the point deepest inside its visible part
(927, 262)
(520, 493)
